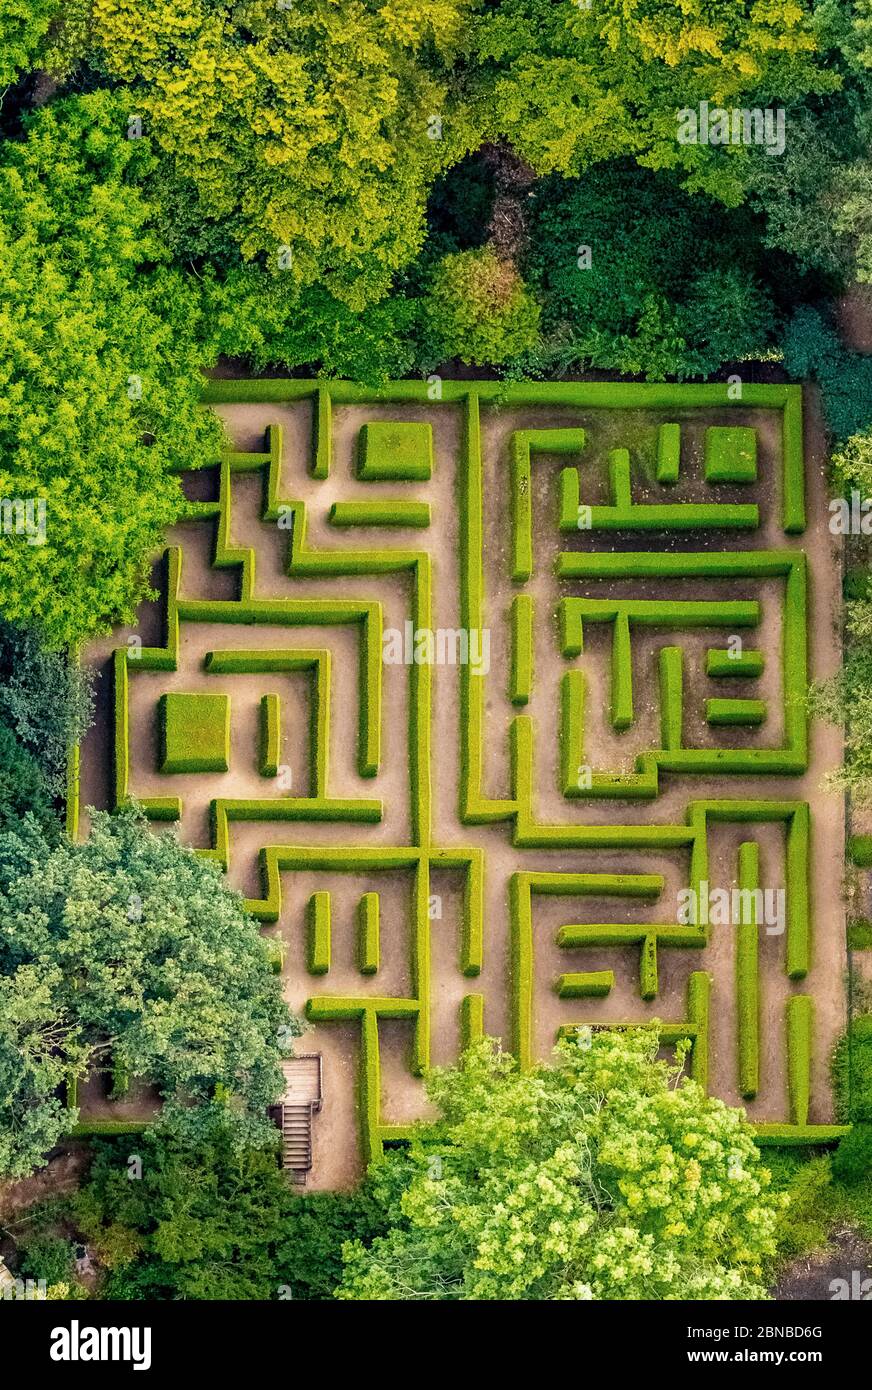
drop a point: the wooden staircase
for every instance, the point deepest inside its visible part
(301, 1100)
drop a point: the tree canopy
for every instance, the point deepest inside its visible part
(571, 85)
(99, 380)
(608, 1176)
(303, 135)
(131, 945)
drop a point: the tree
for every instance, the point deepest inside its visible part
(99, 375)
(210, 1221)
(199, 1224)
(812, 347)
(606, 1176)
(571, 85)
(47, 699)
(305, 136)
(23, 26)
(23, 786)
(477, 308)
(132, 945)
(643, 278)
(800, 193)
(251, 314)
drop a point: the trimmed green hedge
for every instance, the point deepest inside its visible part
(721, 662)
(591, 984)
(270, 751)
(521, 677)
(623, 514)
(668, 454)
(800, 1023)
(735, 712)
(730, 454)
(318, 916)
(368, 935)
(194, 732)
(747, 976)
(671, 696)
(395, 451)
(340, 1008)
(471, 1019)
(390, 512)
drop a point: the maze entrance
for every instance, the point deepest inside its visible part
(492, 705)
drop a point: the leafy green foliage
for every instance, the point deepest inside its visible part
(852, 1161)
(852, 462)
(812, 348)
(46, 698)
(47, 1257)
(673, 285)
(801, 192)
(302, 127)
(23, 787)
(23, 26)
(98, 374)
(601, 1177)
(571, 87)
(846, 700)
(128, 943)
(198, 1224)
(478, 309)
(823, 1198)
(805, 1221)
(207, 1221)
(308, 1247)
(860, 934)
(251, 314)
(852, 1072)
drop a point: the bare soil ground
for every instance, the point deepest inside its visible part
(843, 1272)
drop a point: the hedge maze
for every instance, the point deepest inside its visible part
(630, 559)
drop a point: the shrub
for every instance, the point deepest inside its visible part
(46, 698)
(23, 787)
(852, 464)
(852, 1072)
(477, 308)
(813, 348)
(47, 1257)
(208, 1221)
(852, 1161)
(675, 286)
(860, 934)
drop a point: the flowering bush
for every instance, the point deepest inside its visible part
(607, 1176)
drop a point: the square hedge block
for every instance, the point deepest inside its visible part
(194, 733)
(395, 451)
(730, 454)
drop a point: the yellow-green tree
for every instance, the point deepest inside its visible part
(99, 380)
(305, 135)
(574, 82)
(606, 1176)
